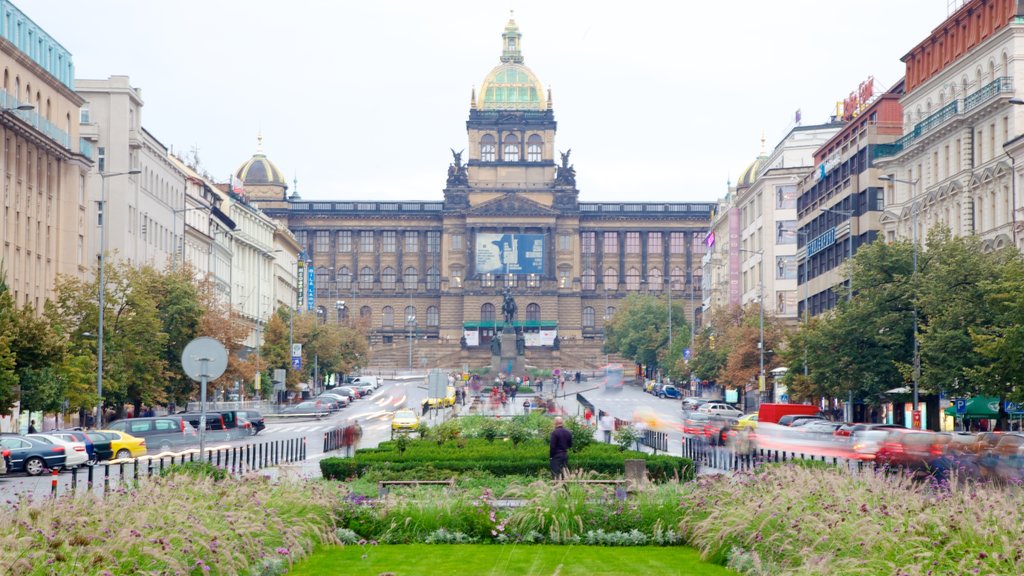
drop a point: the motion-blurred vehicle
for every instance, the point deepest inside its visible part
(720, 409)
(448, 400)
(914, 450)
(307, 408)
(820, 428)
(669, 391)
(340, 398)
(124, 444)
(864, 444)
(774, 412)
(162, 433)
(75, 453)
(255, 418)
(746, 422)
(30, 455)
(797, 419)
(373, 381)
(696, 423)
(691, 403)
(404, 421)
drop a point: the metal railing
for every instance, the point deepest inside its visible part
(1002, 85)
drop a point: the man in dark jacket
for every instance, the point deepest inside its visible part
(561, 441)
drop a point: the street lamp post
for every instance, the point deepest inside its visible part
(760, 345)
(410, 321)
(916, 370)
(101, 289)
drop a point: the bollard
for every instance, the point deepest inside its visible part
(53, 482)
(106, 478)
(74, 479)
(303, 448)
(149, 466)
(135, 472)
(89, 478)
(121, 472)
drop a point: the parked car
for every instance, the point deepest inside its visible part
(102, 444)
(669, 391)
(124, 444)
(30, 455)
(373, 382)
(404, 421)
(692, 403)
(348, 391)
(720, 409)
(307, 408)
(747, 422)
(789, 419)
(255, 418)
(75, 453)
(5, 457)
(161, 433)
(656, 388)
(90, 446)
(219, 425)
(342, 399)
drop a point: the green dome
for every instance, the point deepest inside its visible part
(512, 86)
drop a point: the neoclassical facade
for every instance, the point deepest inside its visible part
(510, 219)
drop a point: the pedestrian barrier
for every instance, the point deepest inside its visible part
(343, 437)
(236, 460)
(656, 440)
(731, 458)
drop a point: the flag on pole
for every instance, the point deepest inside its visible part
(797, 116)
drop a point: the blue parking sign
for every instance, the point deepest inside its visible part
(297, 362)
(961, 405)
(686, 354)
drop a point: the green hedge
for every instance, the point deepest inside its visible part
(497, 458)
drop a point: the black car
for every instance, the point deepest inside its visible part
(255, 418)
(31, 456)
(789, 419)
(102, 444)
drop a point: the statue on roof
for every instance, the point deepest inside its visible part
(457, 170)
(566, 174)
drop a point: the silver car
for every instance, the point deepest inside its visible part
(720, 409)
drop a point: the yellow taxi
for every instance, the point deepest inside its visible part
(448, 400)
(404, 421)
(746, 422)
(125, 445)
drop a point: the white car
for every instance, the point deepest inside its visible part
(373, 382)
(720, 409)
(75, 453)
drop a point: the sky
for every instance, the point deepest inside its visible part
(659, 101)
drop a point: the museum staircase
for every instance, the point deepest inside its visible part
(585, 355)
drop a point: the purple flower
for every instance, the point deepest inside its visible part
(283, 551)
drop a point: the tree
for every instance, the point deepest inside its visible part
(180, 312)
(639, 330)
(38, 351)
(219, 323)
(8, 333)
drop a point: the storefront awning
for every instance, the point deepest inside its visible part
(539, 324)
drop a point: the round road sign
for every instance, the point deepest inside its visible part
(204, 357)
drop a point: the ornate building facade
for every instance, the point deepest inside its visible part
(510, 218)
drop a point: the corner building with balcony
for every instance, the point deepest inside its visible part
(950, 166)
(510, 218)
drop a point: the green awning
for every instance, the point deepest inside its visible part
(978, 408)
(540, 324)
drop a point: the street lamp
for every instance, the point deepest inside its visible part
(101, 288)
(410, 321)
(913, 223)
(760, 344)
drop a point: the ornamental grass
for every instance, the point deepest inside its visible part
(178, 524)
(792, 520)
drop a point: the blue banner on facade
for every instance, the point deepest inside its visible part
(310, 286)
(510, 254)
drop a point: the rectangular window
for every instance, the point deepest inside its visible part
(366, 241)
(344, 241)
(611, 242)
(389, 241)
(433, 242)
(323, 241)
(101, 160)
(412, 242)
(457, 242)
(564, 242)
(632, 242)
(677, 243)
(654, 243)
(589, 242)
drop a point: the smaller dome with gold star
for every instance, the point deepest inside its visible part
(260, 171)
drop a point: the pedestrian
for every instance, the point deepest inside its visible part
(32, 427)
(540, 384)
(607, 426)
(561, 442)
(578, 376)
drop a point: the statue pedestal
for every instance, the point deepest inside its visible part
(508, 362)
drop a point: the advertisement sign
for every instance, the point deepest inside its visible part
(916, 419)
(472, 337)
(821, 242)
(547, 337)
(310, 286)
(300, 285)
(510, 253)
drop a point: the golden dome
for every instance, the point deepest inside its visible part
(511, 85)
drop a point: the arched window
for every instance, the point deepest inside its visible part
(487, 148)
(588, 317)
(533, 312)
(487, 313)
(678, 279)
(322, 278)
(632, 279)
(654, 280)
(510, 149)
(388, 278)
(433, 279)
(366, 278)
(410, 316)
(609, 313)
(534, 145)
(611, 279)
(433, 316)
(589, 279)
(344, 278)
(410, 278)
(366, 312)
(387, 317)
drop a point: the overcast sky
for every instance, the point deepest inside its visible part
(362, 100)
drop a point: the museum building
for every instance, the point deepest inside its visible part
(510, 219)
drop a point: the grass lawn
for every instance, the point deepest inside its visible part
(505, 560)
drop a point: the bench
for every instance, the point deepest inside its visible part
(384, 486)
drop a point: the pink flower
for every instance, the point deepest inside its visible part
(283, 551)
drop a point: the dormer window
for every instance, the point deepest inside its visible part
(488, 146)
